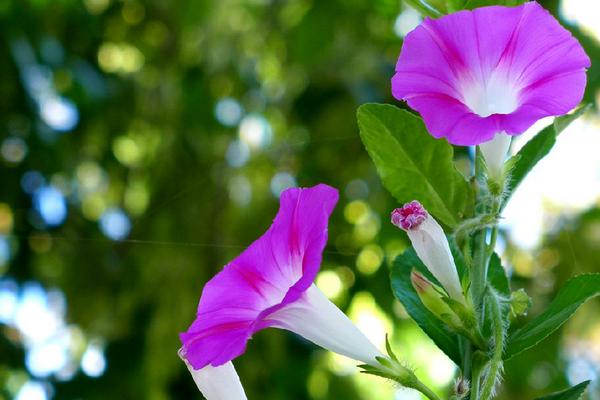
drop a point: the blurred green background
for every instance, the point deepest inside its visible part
(143, 144)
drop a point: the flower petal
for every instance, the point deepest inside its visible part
(273, 271)
(472, 74)
(217, 383)
(316, 318)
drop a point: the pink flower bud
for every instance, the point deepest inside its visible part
(409, 216)
(430, 244)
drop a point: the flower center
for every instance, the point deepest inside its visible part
(494, 95)
(409, 216)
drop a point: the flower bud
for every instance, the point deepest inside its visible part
(431, 296)
(430, 243)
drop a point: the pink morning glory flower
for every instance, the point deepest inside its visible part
(270, 284)
(428, 239)
(493, 71)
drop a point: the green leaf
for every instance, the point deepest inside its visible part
(412, 164)
(537, 148)
(573, 393)
(573, 294)
(497, 276)
(404, 291)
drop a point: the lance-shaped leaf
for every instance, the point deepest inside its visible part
(537, 148)
(405, 292)
(573, 294)
(412, 164)
(573, 393)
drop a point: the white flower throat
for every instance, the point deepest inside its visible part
(495, 94)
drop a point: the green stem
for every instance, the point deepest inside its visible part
(478, 363)
(425, 390)
(467, 358)
(496, 361)
(479, 269)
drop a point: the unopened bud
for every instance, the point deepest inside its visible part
(431, 296)
(431, 245)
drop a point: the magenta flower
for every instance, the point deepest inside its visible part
(271, 285)
(494, 70)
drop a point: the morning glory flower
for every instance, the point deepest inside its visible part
(494, 71)
(430, 244)
(270, 284)
(217, 383)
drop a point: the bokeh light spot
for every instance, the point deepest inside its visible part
(255, 131)
(59, 113)
(356, 211)
(240, 190)
(4, 251)
(228, 111)
(237, 153)
(120, 58)
(96, 7)
(406, 21)
(8, 300)
(127, 151)
(369, 259)
(32, 181)
(50, 203)
(115, 224)
(14, 150)
(32, 390)
(330, 283)
(282, 181)
(6, 219)
(93, 362)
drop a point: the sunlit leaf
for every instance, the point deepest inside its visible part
(573, 294)
(411, 163)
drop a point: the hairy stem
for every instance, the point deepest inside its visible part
(495, 368)
(479, 265)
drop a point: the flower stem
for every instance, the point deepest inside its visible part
(479, 265)
(426, 391)
(479, 361)
(495, 368)
(479, 269)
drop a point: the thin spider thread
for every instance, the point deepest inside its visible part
(153, 242)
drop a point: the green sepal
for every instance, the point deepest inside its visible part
(520, 302)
